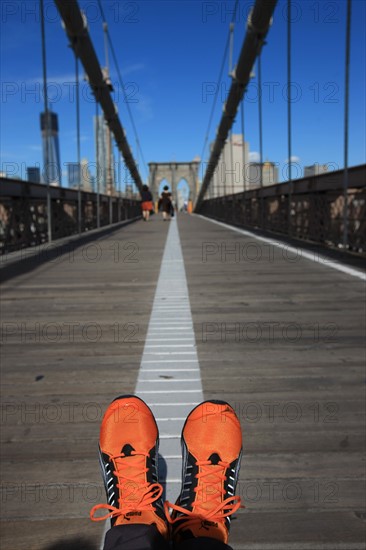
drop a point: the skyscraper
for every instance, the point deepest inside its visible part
(315, 170)
(79, 174)
(34, 174)
(86, 178)
(102, 148)
(100, 153)
(51, 149)
(73, 174)
(229, 174)
(269, 174)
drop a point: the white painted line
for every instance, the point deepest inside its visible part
(173, 380)
(171, 456)
(171, 353)
(172, 480)
(178, 330)
(171, 325)
(170, 339)
(172, 308)
(323, 260)
(171, 361)
(170, 370)
(170, 346)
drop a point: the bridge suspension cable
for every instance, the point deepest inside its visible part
(78, 138)
(289, 121)
(258, 25)
(121, 82)
(224, 57)
(79, 37)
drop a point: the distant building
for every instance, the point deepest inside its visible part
(51, 149)
(101, 150)
(269, 174)
(86, 177)
(315, 170)
(79, 174)
(34, 174)
(73, 174)
(129, 191)
(230, 174)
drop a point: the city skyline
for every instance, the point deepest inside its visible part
(172, 114)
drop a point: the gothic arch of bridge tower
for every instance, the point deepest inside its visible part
(173, 172)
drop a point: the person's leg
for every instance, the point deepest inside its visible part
(135, 537)
(128, 455)
(212, 448)
(147, 215)
(202, 543)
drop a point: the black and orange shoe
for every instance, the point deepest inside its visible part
(212, 448)
(128, 453)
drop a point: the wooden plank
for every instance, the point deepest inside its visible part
(40, 376)
(298, 389)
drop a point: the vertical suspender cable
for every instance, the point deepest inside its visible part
(108, 134)
(243, 134)
(260, 135)
(218, 192)
(78, 139)
(243, 153)
(97, 169)
(47, 121)
(289, 136)
(232, 172)
(137, 154)
(346, 122)
(260, 118)
(231, 49)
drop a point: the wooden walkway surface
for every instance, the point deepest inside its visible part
(281, 340)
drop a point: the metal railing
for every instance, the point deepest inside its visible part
(314, 213)
(23, 213)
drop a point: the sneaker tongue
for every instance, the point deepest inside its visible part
(210, 494)
(214, 458)
(127, 449)
(133, 470)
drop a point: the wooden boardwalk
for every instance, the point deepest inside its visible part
(281, 340)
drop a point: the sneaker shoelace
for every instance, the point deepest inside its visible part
(137, 495)
(219, 509)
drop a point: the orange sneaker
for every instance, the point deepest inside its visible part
(128, 454)
(212, 448)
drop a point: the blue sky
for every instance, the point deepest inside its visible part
(170, 54)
